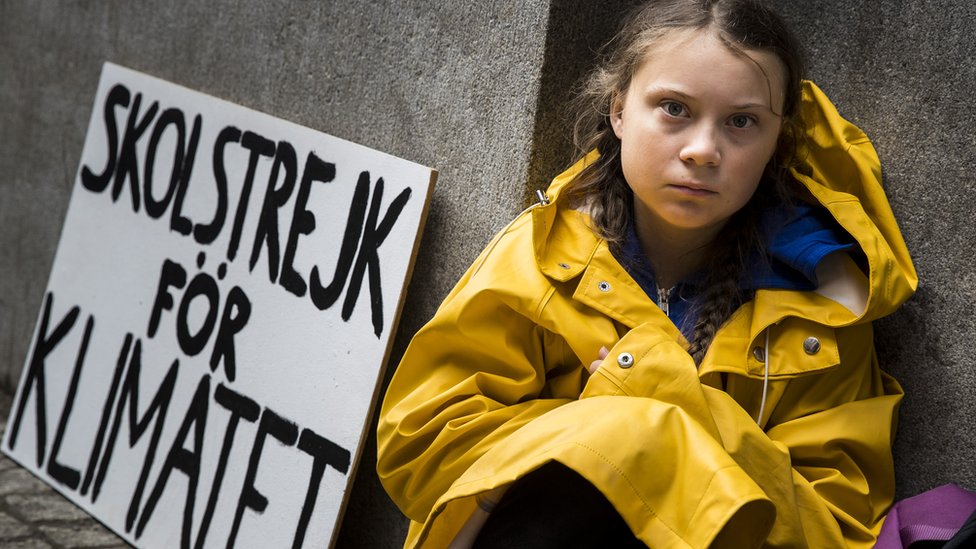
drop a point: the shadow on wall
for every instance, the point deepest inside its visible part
(577, 31)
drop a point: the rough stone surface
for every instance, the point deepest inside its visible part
(45, 506)
(15, 480)
(450, 85)
(88, 535)
(11, 528)
(31, 543)
(478, 91)
(903, 71)
(34, 516)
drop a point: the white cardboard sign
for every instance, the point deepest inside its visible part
(216, 322)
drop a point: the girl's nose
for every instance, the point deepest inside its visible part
(702, 147)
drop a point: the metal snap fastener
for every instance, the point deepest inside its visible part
(604, 286)
(564, 265)
(759, 353)
(811, 345)
(625, 360)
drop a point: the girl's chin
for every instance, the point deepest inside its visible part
(691, 229)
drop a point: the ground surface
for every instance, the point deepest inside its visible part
(34, 516)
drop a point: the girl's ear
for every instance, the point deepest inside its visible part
(616, 115)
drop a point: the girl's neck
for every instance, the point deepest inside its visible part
(675, 253)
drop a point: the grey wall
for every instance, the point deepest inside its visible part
(477, 90)
(448, 85)
(453, 88)
(904, 72)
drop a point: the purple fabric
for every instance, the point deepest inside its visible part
(934, 515)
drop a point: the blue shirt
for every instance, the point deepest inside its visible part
(797, 239)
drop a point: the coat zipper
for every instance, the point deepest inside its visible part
(663, 296)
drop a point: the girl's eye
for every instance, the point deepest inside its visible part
(673, 108)
(742, 121)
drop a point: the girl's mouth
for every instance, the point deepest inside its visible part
(692, 189)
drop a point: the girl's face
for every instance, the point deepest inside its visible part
(697, 126)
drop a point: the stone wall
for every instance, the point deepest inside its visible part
(453, 86)
(904, 73)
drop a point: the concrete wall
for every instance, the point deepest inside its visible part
(453, 88)
(477, 90)
(903, 71)
(450, 85)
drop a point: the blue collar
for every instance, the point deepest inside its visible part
(797, 239)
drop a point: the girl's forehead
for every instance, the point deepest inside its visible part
(698, 61)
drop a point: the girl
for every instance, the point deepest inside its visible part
(674, 348)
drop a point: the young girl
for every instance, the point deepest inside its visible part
(674, 348)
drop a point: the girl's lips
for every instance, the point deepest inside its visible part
(692, 189)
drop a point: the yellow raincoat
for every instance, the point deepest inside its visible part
(782, 438)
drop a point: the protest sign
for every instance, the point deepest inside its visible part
(216, 322)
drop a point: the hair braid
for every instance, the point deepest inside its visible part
(722, 294)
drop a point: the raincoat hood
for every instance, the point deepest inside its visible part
(840, 168)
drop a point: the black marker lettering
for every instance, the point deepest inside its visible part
(373, 237)
(172, 275)
(178, 222)
(205, 234)
(186, 461)
(128, 168)
(169, 117)
(65, 475)
(324, 453)
(323, 298)
(259, 146)
(239, 407)
(286, 432)
(118, 96)
(43, 345)
(274, 198)
(303, 221)
(156, 414)
(202, 285)
(237, 311)
(106, 414)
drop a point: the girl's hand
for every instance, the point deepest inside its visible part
(602, 353)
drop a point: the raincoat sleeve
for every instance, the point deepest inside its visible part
(822, 458)
(471, 377)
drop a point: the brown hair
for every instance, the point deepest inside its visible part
(741, 25)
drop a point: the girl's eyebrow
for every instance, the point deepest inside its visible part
(657, 89)
(746, 106)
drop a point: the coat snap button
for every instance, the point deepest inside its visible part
(625, 360)
(759, 353)
(811, 345)
(604, 286)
